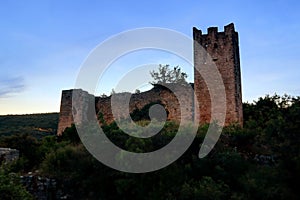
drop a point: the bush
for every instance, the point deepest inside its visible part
(11, 188)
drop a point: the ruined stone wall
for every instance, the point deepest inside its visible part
(160, 94)
(8, 155)
(66, 117)
(224, 50)
(65, 114)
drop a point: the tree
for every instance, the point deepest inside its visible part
(137, 91)
(167, 75)
(28, 147)
(103, 95)
(112, 92)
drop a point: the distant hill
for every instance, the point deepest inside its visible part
(37, 125)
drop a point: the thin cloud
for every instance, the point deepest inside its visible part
(11, 86)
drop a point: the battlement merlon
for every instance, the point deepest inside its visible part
(229, 29)
(213, 31)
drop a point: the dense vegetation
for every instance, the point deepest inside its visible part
(37, 125)
(259, 161)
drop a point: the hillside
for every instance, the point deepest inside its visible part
(35, 124)
(260, 160)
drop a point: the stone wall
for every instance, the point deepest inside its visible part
(159, 94)
(65, 114)
(68, 113)
(8, 155)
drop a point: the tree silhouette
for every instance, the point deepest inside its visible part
(167, 75)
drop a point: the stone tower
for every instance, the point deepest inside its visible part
(223, 48)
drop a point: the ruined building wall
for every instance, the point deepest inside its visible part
(137, 101)
(65, 114)
(224, 50)
(66, 118)
(158, 94)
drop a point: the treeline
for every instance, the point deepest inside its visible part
(37, 125)
(260, 160)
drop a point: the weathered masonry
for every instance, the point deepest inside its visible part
(223, 48)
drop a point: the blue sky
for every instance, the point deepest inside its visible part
(44, 43)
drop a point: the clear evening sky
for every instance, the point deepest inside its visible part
(44, 43)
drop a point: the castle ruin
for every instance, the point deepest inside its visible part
(223, 48)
